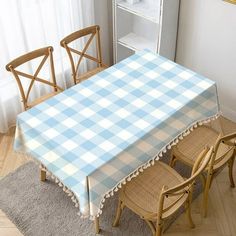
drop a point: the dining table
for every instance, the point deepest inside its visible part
(95, 136)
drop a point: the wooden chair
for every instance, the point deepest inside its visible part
(159, 192)
(46, 53)
(92, 31)
(224, 144)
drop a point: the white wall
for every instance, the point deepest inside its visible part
(207, 45)
(103, 17)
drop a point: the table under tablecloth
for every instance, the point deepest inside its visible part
(99, 134)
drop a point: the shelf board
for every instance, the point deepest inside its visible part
(137, 43)
(147, 11)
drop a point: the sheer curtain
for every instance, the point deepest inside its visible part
(26, 25)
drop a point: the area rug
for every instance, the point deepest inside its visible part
(42, 208)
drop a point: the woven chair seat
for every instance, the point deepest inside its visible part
(42, 98)
(141, 194)
(90, 73)
(189, 148)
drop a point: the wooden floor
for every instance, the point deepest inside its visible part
(221, 220)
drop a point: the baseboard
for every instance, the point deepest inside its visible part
(229, 113)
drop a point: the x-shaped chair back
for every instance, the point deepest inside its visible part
(46, 54)
(93, 32)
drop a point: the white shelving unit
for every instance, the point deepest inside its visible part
(136, 42)
(148, 24)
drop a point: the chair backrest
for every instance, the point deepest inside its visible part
(179, 191)
(93, 32)
(220, 157)
(46, 55)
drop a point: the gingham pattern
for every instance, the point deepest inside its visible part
(96, 133)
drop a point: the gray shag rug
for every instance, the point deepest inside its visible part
(42, 208)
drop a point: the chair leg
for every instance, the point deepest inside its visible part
(188, 209)
(205, 194)
(96, 224)
(203, 180)
(159, 228)
(119, 210)
(151, 226)
(231, 164)
(188, 212)
(43, 175)
(172, 161)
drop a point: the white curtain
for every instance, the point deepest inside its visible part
(26, 25)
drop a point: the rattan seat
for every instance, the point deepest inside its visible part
(42, 98)
(143, 192)
(80, 78)
(190, 147)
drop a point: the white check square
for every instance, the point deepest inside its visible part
(103, 83)
(144, 146)
(34, 122)
(167, 65)
(161, 135)
(141, 124)
(158, 114)
(51, 156)
(69, 145)
(118, 74)
(139, 103)
(193, 114)
(123, 113)
(69, 102)
(124, 135)
(185, 75)
(32, 144)
(149, 56)
(87, 112)
(152, 74)
(209, 104)
(105, 123)
(155, 93)
(120, 93)
(170, 84)
(109, 170)
(177, 124)
(89, 157)
(189, 94)
(88, 134)
(86, 92)
(136, 83)
(203, 84)
(70, 169)
(69, 123)
(51, 133)
(51, 111)
(174, 104)
(134, 65)
(127, 158)
(104, 102)
(107, 146)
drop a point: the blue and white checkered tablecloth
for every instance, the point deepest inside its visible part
(101, 132)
